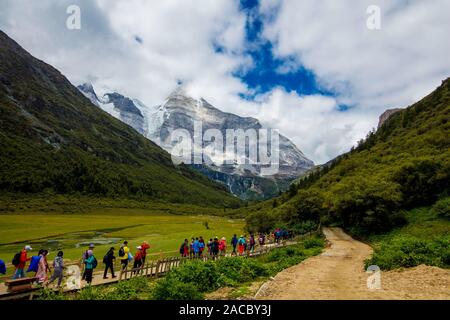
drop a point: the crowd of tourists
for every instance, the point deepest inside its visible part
(197, 247)
(45, 275)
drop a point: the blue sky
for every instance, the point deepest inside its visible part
(265, 74)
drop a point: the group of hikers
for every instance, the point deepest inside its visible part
(41, 267)
(197, 247)
(241, 245)
(124, 255)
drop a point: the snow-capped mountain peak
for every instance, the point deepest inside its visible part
(181, 111)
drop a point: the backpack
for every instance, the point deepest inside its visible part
(16, 259)
(34, 264)
(121, 252)
(105, 259)
(94, 263)
(182, 249)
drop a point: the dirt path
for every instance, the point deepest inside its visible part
(338, 273)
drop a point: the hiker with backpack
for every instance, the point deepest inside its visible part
(215, 247)
(19, 261)
(234, 242)
(184, 248)
(241, 245)
(202, 246)
(91, 264)
(108, 260)
(196, 247)
(58, 267)
(261, 239)
(210, 245)
(84, 256)
(43, 267)
(123, 255)
(252, 243)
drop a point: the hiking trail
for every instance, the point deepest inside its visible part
(338, 274)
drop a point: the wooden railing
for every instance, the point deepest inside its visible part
(159, 268)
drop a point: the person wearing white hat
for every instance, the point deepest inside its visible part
(138, 258)
(20, 260)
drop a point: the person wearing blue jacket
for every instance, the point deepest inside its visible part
(234, 242)
(90, 266)
(196, 247)
(2, 267)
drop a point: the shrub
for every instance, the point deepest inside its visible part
(313, 243)
(442, 208)
(203, 275)
(132, 289)
(49, 294)
(409, 251)
(90, 293)
(170, 288)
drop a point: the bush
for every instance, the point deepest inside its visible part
(203, 275)
(313, 243)
(170, 288)
(90, 293)
(49, 294)
(132, 289)
(410, 252)
(442, 208)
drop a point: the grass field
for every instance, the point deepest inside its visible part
(105, 228)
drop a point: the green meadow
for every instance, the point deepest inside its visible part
(72, 233)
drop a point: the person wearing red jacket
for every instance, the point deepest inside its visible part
(20, 273)
(144, 247)
(138, 258)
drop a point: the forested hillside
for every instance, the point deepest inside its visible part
(54, 140)
(405, 164)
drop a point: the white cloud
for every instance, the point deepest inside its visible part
(371, 70)
(392, 67)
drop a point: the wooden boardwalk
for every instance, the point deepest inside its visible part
(152, 269)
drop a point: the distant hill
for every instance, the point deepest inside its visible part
(54, 139)
(404, 164)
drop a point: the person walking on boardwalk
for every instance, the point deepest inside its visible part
(58, 269)
(241, 245)
(196, 247)
(184, 248)
(262, 239)
(19, 261)
(108, 260)
(84, 256)
(191, 247)
(252, 243)
(234, 242)
(91, 264)
(202, 245)
(43, 269)
(201, 248)
(138, 258)
(209, 246)
(223, 246)
(215, 247)
(123, 254)
(145, 246)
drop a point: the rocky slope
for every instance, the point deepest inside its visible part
(180, 111)
(54, 140)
